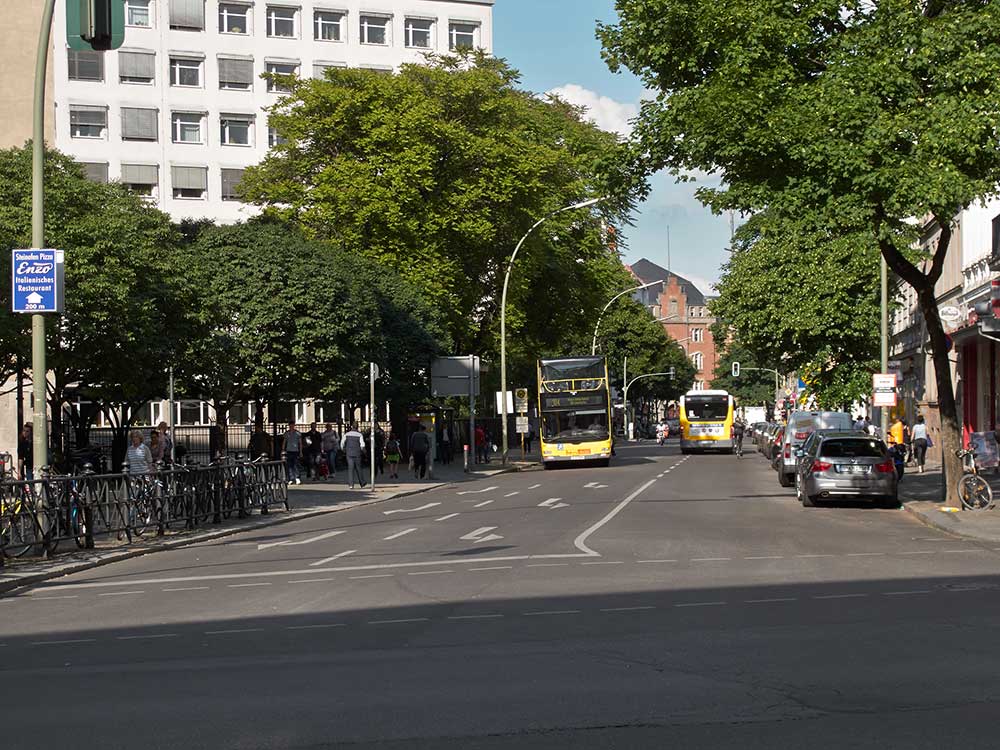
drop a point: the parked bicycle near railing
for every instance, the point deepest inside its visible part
(974, 491)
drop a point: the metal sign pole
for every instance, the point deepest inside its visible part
(372, 374)
(472, 405)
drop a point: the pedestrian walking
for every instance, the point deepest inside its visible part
(420, 444)
(156, 447)
(138, 455)
(446, 445)
(896, 432)
(311, 450)
(921, 441)
(329, 442)
(528, 437)
(293, 449)
(25, 454)
(907, 441)
(378, 451)
(392, 455)
(167, 440)
(353, 445)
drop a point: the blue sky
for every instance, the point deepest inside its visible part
(552, 43)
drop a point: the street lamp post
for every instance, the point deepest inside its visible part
(593, 345)
(503, 311)
(669, 373)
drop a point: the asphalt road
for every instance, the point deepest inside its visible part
(666, 601)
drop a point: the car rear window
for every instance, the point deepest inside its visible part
(852, 448)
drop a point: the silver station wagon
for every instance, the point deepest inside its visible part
(845, 465)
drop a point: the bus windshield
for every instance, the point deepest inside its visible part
(706, 408)
(581, 368)
(575, 426)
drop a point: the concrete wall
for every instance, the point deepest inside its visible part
(18, 47)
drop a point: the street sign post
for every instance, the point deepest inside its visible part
(500, 402)
(522, 425)
(37, 281)
(884, 390)
(521, 400)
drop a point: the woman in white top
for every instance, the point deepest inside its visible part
(138, 456)
(919, 435)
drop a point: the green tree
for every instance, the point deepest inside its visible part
(877, 113)
(437, 171)
(753, 387)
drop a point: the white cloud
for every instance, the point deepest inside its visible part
(704, 285)
(605, 112)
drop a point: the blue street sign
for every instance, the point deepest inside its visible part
(37, 281)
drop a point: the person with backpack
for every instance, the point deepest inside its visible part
(420, 445)
(392, 455)
(353, 445)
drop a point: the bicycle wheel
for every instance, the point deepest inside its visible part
(974, 492)
(78, 524)
(19, 532)
(143, 514)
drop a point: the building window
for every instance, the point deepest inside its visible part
(136, 67)
(236, 130)
(187, 15)
(186, 127)
(462, 35)
(88, 122)
(996, 240)
(673, 307)
(189, 183)
(185, 71)
(274, 139)
(328, 26)
(281, 69)
(418, 32)
(281, 22)
(230, 184)
(234, 18)
(320, 68)
(95, 171)
(86, 65)
(375, 29)
(235, 74)
(191, 412)
(137, 13)
(698, 360)
(697, 335)
(141, 178)
(139, 124)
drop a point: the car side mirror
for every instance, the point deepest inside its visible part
(799, 453)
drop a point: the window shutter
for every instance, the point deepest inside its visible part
(139, 123)
(86, 65)
(189, 178)
(235, 71)
(188, 14)
(230, 181)
(96, 171)
(140, 174)
(136, 64)
(83, 115)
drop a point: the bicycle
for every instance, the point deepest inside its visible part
(973, 490)
(738, 447)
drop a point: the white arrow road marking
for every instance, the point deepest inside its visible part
(331, 558)
(410, 510)
(553, 502)
(594, 486)
(290, 543)
(398, 534)
(484, 502)
(481, 535)
(476, 492)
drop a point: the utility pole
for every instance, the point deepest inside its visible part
(884, 358)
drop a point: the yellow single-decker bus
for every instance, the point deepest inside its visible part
(706, 419)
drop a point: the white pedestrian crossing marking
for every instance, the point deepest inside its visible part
(553, 503)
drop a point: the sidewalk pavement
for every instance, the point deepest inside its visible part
(311, 498)
(923, 496)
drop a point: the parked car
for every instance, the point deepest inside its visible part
(845, 464)
(773, 453)
(801, 424)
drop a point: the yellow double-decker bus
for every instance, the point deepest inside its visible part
(706, 419)
(574, 407)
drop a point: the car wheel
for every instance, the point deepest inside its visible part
(783, 479)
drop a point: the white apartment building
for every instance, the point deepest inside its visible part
(181, 109)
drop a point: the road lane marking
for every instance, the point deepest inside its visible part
(594, 486)
(290, 543)
(477, 492)
(626, 609)
(921, 552)
(511, 494)
(710, 559)
(553, 503)
(494, 567)
(410, 510)
(317, 627)
(189, 588)
(247, 585)
(700, 604)
(802, 556)
(429, 572)
(67, 641)
(395, 622)
(122, 593)
(841, 596)
(648, 562)
(144, 637)
(481, 535)
(398, 534)
(766, 557)
(313, 580)
(605, 562)
(445, 518)
(474, 617)
(907, 593)
(864, 554)
(234, 630)
(545, 613)
(547, 565)
(963, 550)
(534, 487)
(772, 600)
(47, 598)
(331, 558)
(377, 575)
(581, 541)
(484, 502)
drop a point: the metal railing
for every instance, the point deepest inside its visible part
(39, 515)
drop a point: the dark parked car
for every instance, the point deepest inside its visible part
(845, 464)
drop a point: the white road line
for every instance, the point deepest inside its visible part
(766, 557)
(234, 630)
(482, 534)
(45, 598)
(547, 565)
(144, 637)
(841, 596)
(122, 593)
(290, 543)
(477, 492)
(700, 604)
(188, 588)
(770, 601)
(581, 541)
(331, 558)
(430, 572)
(378, 575)
(398, 534)
(907, 593)
(317, 627)
(484, 502)
(59, 643)
(605, 562)
(552, 612)
(511, 494)
(445, 518)
(394, 622)
(963, 550)
(474, 617)
(534, 487)
(426, 506)
(313, 580)
(552, 502)
(864, 554)
(626, 609)
(494, 567)
(803, 556)
(710, 559)
(647, 562)
(247, 585)
(921, 552)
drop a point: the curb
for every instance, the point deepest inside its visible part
(932, 522)
(186, 541)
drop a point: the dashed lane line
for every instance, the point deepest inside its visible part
(651, 562)
(711, 559)
(865, 554)
(397, 622)
(153, 636)
(551, 612)
(445, 518)
(50, 598)
(475, 617)
(247, 585)
(534, 487)
(68, 641)
(398, 534)
(547, 565)
(377, 575)
(484, 502)
(313, 580)
(331, 558)
(605, 562)
(511, 494)
(493, 567)
(907, 593)
(121, 593)
(765, 557)
(319, 626)
(772, 600)
(700, 604)
(840, 596)
(430, 572)
(188, 588)
(234, 631)
(627, 609)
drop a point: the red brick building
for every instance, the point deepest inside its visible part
(683, 308)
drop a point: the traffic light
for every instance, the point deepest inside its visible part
(95, 24)
(736, 369)
(989, 312)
